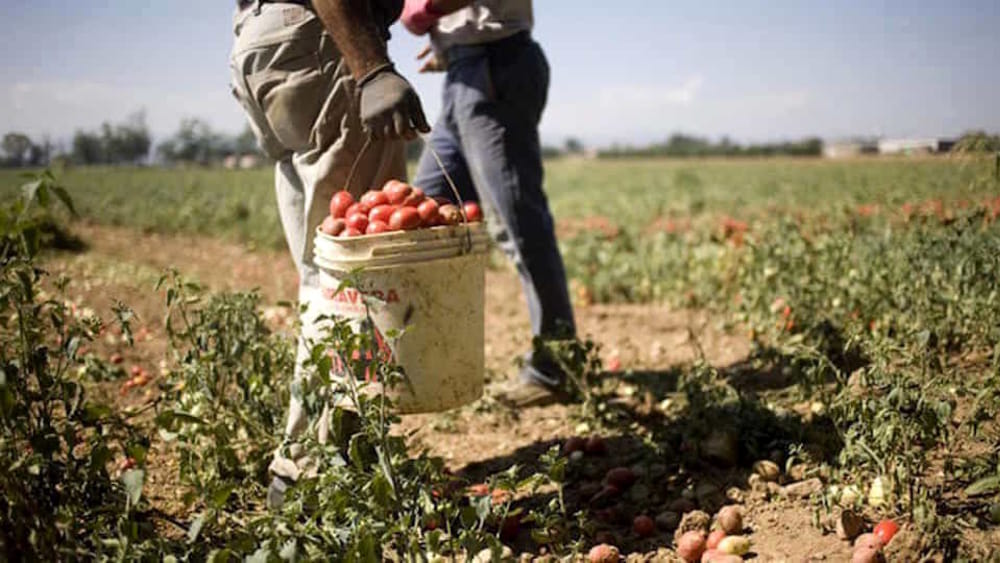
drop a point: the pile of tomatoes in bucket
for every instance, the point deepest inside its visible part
(398, 206)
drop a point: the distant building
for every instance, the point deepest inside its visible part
(849, 148)
(249, 161)
(231, 162)
(911, 146)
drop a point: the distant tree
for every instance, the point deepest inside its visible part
(88, 149)
(128, 142)
(977, 141)
(194, 142)
(573, 146)
(246, 142)
(17, 149)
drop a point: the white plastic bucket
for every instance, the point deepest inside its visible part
(426, 285)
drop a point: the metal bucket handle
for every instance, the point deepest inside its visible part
(447, 177)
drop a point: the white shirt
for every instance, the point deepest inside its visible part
(481, 22)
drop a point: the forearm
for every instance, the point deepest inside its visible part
(353, 28)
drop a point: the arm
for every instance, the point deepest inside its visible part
(388, 107)
(352, 26)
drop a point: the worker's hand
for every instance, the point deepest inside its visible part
(390, 108)
(419, 16)
(432, 63)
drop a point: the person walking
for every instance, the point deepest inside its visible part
(317, 85)
(495, 90)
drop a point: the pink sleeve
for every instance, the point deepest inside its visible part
(419, 16)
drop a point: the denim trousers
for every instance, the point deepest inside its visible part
(487, 138)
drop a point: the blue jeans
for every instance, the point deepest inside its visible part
(487, 138)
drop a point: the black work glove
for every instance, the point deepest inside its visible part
(390, 108)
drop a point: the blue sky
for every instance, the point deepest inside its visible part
(628, 71)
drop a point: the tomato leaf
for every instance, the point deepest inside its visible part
(983, 486)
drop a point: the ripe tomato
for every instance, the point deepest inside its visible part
(885, 530)
(374, 198)
(397, 191)
(350, 232)
(574, 444)
(376, 227)
(621, 477)
(382, 213)
(714, 538)
(339, 204)
(449, 214)
(405, 219)
(473, 211)
(358, 222)
(415, 197)
(428, 210)
(357, 208)
(643, 526)
(332, 227)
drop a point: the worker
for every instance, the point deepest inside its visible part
(315, 80)
(495, 89)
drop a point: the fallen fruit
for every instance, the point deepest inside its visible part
(865, 554)
(116, 359)
(767, 469)
(735, 545)
(730, 519)
(714, 538)
(868, 540)
(643, 526)
(605, 495)
(574, 444)
(621, 477)
(691, 546)
(716, 556)
(721, 448)
(668, 520)
(603, 553)
(509, 528)
(885, 530)
(848, 525)
(596, 446)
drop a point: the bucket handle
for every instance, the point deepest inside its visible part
(444, 171)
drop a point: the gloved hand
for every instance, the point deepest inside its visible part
(419, 16)
(390, 108)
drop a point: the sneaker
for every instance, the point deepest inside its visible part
(276, 492)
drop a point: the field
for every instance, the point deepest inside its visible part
(814, 342)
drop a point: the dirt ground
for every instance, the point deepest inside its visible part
(122, 265)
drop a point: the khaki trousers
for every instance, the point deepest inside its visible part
(302, 105)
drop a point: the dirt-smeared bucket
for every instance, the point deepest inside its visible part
(426, 286)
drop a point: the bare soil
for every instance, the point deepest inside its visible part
(651, 340)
